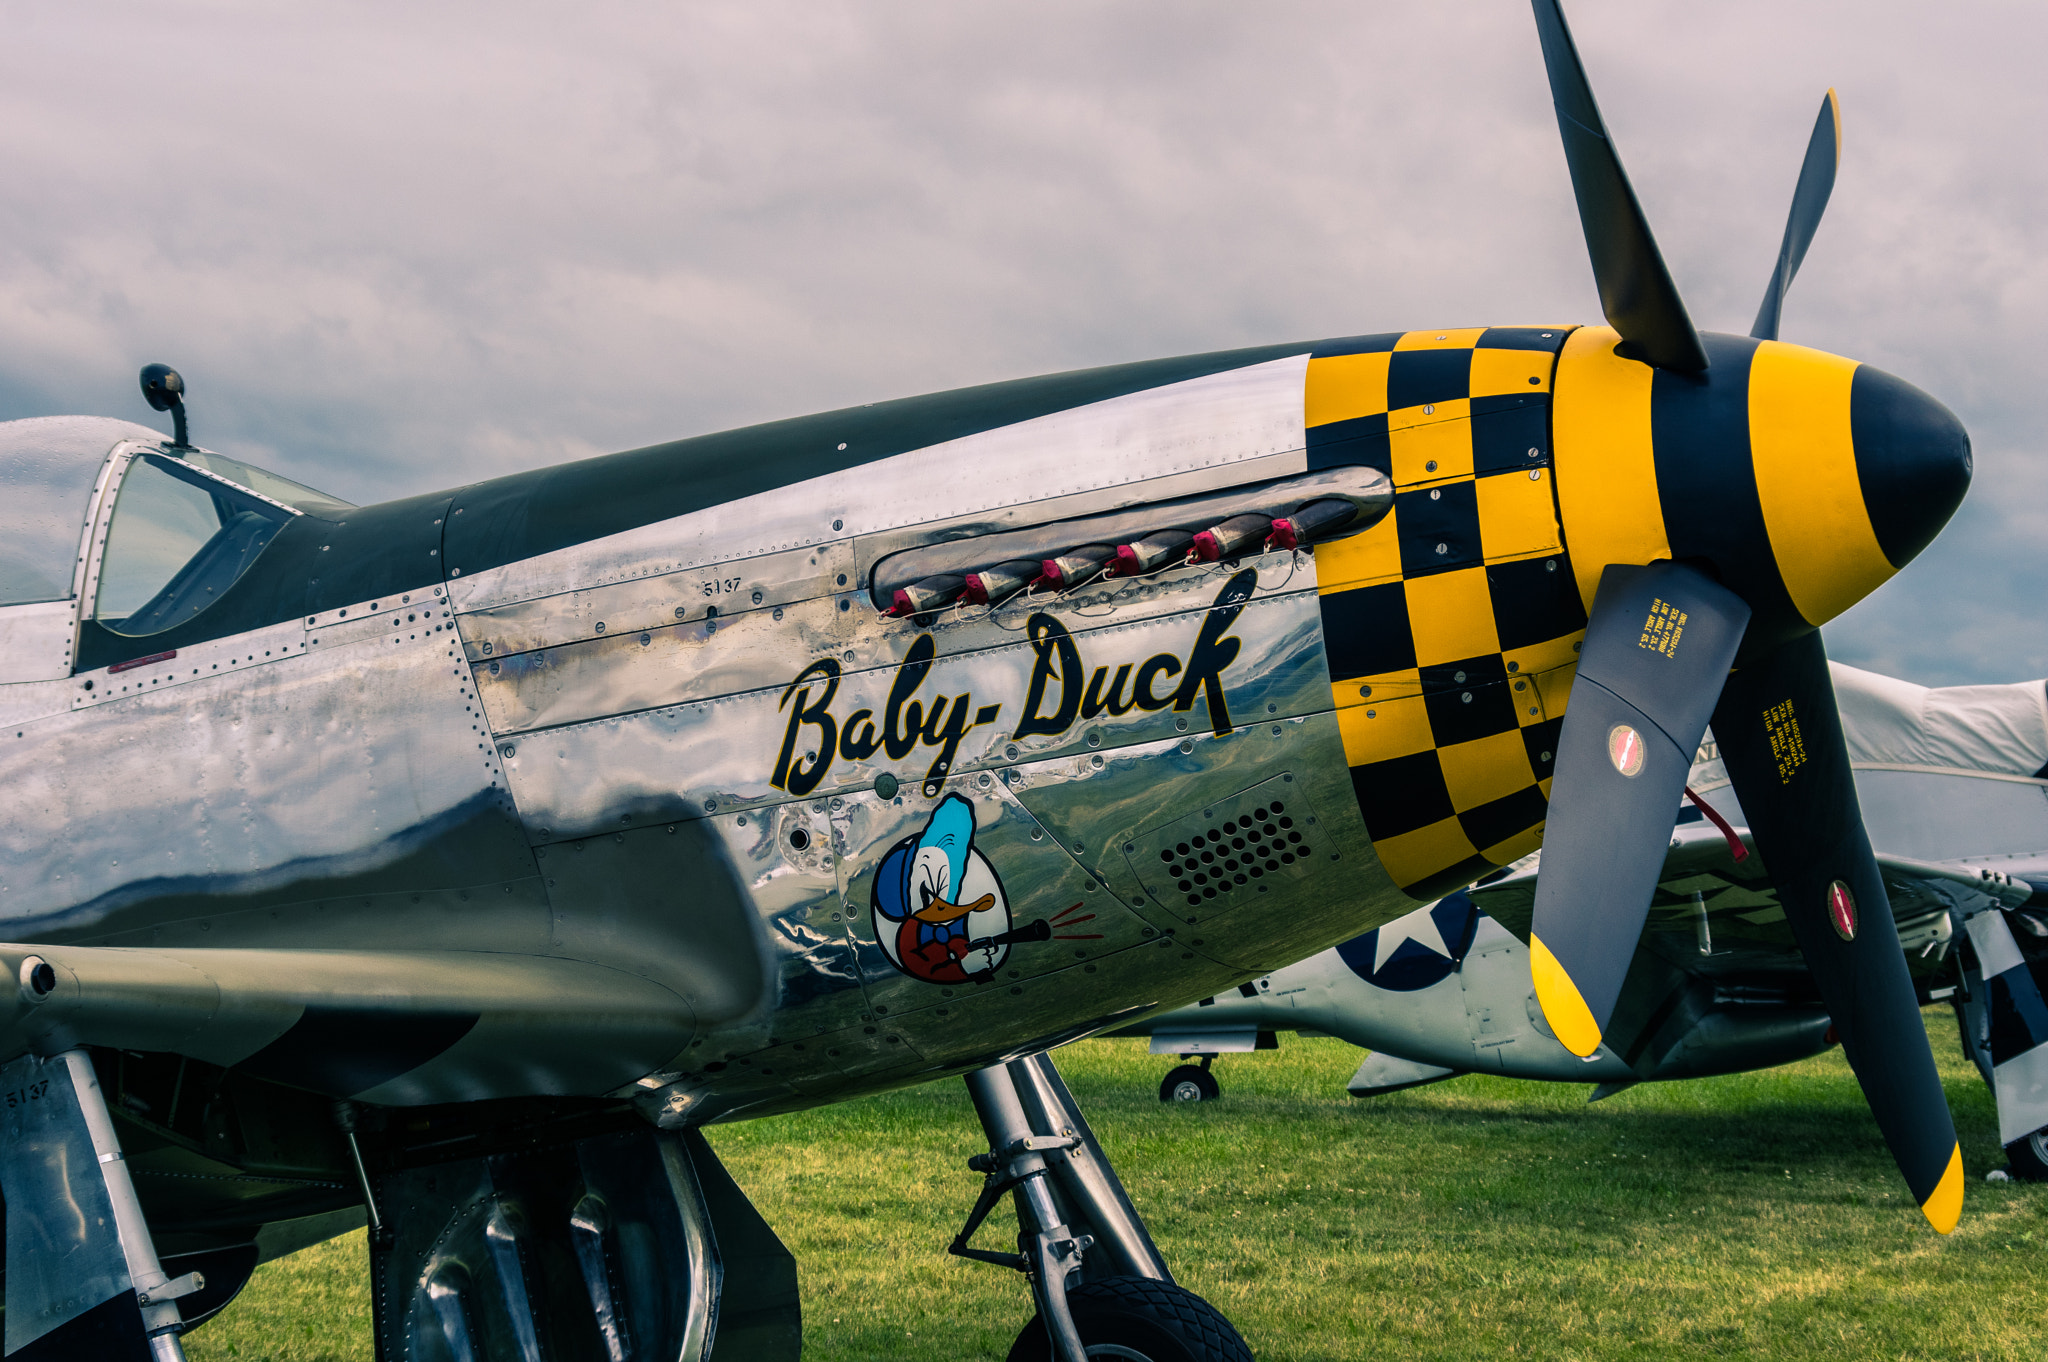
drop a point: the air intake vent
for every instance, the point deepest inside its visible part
(1225, 856)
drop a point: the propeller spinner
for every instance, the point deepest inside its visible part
(1727, 495)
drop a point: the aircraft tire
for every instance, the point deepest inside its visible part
(1189, 1083)
(2028, 1156)
(1136, 1319)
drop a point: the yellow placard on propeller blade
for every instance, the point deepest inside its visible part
(1944, 1205)
(1569, 1017)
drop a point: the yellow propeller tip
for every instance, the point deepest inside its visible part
(1944, 1205)
(1563, 1006)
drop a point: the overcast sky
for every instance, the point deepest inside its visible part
(398, 247)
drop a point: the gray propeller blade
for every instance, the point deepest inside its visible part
(1636, 292)
(1809, 201)
(1657, 651)
(1781, 737)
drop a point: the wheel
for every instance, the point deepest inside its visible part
(1135, 1319)
(1189, 1083)
(2028, 1156)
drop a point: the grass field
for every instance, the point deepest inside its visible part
(1756, 1216)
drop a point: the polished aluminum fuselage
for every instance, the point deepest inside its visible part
(574, 758)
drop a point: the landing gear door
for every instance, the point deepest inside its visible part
(1495, 979)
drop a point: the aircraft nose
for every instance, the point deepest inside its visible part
(1912, 459)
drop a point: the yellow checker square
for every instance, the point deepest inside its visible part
(1374, 556)
(1555, 688)
(1430, 413)
(1517, 516)
(1450, 616)
(1380, 730)
(1485, 769)
(1497, 373)
(1515, 847)
(1344, 387)
(1417, 855)
(1528, 700)
(1431, 452)
(1462, 338)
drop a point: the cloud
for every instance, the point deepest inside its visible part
(395, 248)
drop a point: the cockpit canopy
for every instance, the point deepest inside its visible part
(184, 523)
(48, 466)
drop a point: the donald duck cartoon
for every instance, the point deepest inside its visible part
(940, 913)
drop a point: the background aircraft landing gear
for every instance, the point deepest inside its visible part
(1101, 1287)
(2028, 1156)
(1190, 1083)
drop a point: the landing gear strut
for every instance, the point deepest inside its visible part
(1101, 1287)
(83, 1278)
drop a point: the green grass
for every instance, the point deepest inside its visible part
(1756, 1215)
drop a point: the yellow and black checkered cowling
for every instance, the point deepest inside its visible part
(1525, 461)
(1449, 626)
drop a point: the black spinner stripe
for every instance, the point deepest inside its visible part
(1706, 482)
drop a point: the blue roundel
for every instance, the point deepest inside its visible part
(1415, 951)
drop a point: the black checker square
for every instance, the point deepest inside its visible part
(1511, 440)
(1534, 600)
(1365, 631)
(1415, 377)
(1521, 338)
(1376, 344)
(1541, 740)
(1361, 440)
(1438, 528)
(1469, 712)
(1509, 816)
(1401, 794)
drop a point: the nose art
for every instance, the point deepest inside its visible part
(1912, 459)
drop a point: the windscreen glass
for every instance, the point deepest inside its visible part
(269, 484)
(177, 541)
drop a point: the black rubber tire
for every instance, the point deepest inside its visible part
(1189, 1083)
(1135, 1319)
(2028, 1156)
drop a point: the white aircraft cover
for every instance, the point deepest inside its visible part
(2000, 729)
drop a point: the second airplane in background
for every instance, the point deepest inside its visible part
(1954, 788)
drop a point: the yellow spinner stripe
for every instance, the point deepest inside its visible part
(1944, 1206)
(1606, 462)
(1563, 1006)
(1805, 460)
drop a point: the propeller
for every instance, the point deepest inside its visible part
(1636, 292)
(1658, 644)
(1654, 670)
(1809, 201)
(1781, 739)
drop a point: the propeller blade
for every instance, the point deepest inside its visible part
(1809, 201)
(1781, 737)
(1658, 646)
(1636, 291)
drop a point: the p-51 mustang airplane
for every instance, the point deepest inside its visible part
(452, 861)
(1955, 787)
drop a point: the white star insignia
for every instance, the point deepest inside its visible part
(1418, 926)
